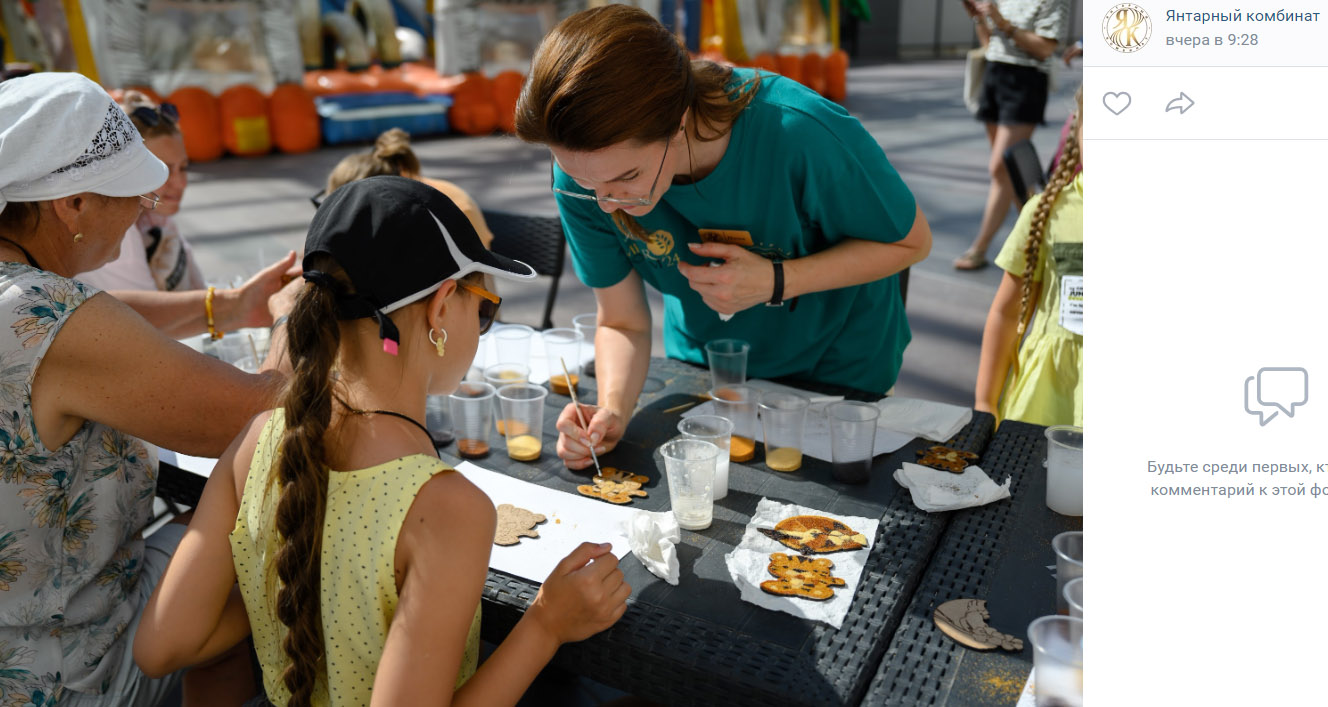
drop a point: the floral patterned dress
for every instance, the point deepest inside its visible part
(70, 551)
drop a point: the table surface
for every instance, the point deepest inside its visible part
(699, 643)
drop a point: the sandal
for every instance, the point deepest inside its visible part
(970, 260)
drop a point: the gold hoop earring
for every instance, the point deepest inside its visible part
(440, 344)
(78, 237)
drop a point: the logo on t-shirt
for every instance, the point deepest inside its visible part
(1127, 28)
(658, 249)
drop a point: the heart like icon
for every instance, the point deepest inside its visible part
(1116, 102)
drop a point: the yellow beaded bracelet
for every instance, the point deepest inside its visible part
(207, 305)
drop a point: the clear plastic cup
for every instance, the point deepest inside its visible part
(585, 324)
(1058, 660)
(852, 440)
(563, 346)
(690, 466)
(783, 416)
(1069, 548)
(737, 404)
(728, 362)
(718, 431)
(472, 414)
(500, 375)
(1065, 470)
(523, 419)
(512, 344)
(438, 419)
(1074, 597)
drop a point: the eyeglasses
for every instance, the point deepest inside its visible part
(148, 202)
(152, 117)
(608, 199)
(318, 198)
(489, 303)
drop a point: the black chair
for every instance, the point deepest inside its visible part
(535, 240)
(1025, 170)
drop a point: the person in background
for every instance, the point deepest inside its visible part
(1021, 37)
(155, 258)
(1039, 379)
(727, 190)
(84, 383)
(344, 468)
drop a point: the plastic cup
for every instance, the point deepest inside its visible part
(718, 431)
(852, 440)
(585, 324)
(1058, 660)
(248, 364)
(690, 466)
(231, 349)
(1065, 470)
(438, 418)
(737, 404)
(782, 419)
(728, 362)
(472, 411)
(1069, 548)
(523, 419)
(512, 344)
(1074, 596)
(504, 374)
(563, 346)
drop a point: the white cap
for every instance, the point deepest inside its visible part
(61, 134)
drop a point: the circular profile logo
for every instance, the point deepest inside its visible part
(1127, 28)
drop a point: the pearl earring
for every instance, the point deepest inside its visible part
(440, 344)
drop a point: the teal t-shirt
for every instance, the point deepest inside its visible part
(799, 175)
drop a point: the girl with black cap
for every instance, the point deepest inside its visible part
(326, 560)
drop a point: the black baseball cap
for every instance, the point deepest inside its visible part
(398, 240)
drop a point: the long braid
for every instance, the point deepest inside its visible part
(1037, 228)
(301, 476)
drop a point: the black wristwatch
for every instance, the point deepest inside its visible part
(777, 299)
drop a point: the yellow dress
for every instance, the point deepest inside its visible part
(358, 595)
(1050, 386)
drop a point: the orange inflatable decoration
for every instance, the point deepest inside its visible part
(766, 62)
(506, 90)
(836, 76)
(379, 79)
(473, 111)
(327, 81)
(790, 65)
(293, 118)
(244, 126)
(813, 72)
(200, 123)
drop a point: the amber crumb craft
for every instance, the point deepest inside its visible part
(801, 577)
(815, 534)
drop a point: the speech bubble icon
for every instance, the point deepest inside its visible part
(1283, 388)
(1264, 416)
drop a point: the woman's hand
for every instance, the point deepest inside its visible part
(603, 429)
(265, 296)
(993, 13)
(583, 595)
(744, 280)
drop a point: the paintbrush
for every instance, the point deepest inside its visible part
(571, 391)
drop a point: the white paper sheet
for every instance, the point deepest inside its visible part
(749, 564)
(571, 520)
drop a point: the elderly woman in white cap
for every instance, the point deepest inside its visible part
(82, 379)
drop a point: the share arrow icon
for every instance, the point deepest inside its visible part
(1182, 104)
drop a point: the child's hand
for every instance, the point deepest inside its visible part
(583, 595)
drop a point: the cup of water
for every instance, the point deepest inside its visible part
(717, 431)
(1065, 470)
(690, 467)
(1058, 660)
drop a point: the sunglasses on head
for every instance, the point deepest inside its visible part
(489, 303)
(152, 117)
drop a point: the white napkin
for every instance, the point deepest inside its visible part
(653, 538)
(750, 561)
(935, 490)
(922, 418)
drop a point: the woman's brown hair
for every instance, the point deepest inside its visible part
(1037, 227)
(391, 155)
(132, 101)
(301, 471)
(614, 73)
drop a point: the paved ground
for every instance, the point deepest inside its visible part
(243, 212)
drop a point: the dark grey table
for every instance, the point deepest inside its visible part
(698, 643)
(1000, 553)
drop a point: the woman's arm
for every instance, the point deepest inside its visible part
(109, 365)
(747, 279)
(1034, 44)
(622, 359)
(998, 342)
(181, 314)
(196, 612)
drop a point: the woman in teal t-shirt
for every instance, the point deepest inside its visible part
(726, 190)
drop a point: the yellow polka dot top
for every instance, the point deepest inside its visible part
(358, 595)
